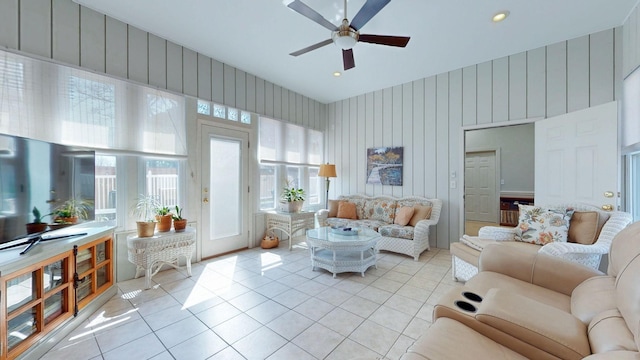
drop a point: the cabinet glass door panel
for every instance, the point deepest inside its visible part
(84, 288)
(53, 275)
(102, 276)
(101, 252)
(21, 327)
(21, 290)
(54, 306)
(83, 261)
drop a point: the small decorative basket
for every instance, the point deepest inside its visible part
(269, 241)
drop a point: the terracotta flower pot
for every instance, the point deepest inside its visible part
(164, 222)
(33, 228)
(146, 228)
(179, 225)
(66, 220)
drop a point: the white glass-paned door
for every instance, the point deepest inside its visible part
(225, 174)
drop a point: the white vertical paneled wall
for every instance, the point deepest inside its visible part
(69, 33)
(631, 42)
(426, 116)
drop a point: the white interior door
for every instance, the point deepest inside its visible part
(481, 187)
(225, 184)
(576, 157)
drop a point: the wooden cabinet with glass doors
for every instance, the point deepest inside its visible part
(40, 297)
(34, 301)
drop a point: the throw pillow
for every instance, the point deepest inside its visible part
(333, 208)
(541, 226)
(403, 216)
(603, 216)
(347, 210)
(421, 212)
(583, 227)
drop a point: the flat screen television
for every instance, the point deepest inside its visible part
(45, 176)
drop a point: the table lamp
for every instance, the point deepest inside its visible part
(328, 171)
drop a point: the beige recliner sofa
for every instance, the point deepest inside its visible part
(536, 306)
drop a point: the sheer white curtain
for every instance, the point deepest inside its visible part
(61, 104)
(286, 143)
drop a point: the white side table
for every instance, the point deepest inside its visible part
(290, 223)
(150, 253)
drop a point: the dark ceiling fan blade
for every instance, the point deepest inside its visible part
(347, 59)
(368, 10)
(308, 12)
(312, 47)
(399, 41)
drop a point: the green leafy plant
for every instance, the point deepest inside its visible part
(145, 207)
(291, 193)
(37, 216)
(73, 208)
(178, 214)
(163, 211)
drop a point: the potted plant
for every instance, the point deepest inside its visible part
(163, 218)
(71, 211)
(37, 225)
(144, 209)
(291, 199)
(179, 224)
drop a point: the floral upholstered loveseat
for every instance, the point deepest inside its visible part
(379, 213)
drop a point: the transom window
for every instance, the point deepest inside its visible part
(225, 112)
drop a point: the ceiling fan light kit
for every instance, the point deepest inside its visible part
(348, 35)
(345, 37)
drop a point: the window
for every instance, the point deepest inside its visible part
(204, 107)
(162, 180)
(91, 112)
(226, 113)
(105, 185)
(289, 156)
(12, 91)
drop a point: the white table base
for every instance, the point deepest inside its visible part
(149, 254)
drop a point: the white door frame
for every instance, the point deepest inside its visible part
(496, 202)
(462, 152)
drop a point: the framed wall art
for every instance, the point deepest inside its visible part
(384, 165)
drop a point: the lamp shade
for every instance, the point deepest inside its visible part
(327, 170)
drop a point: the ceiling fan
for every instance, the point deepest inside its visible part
(348, 34)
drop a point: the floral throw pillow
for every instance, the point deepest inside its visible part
(541, 226)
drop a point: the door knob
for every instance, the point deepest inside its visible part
(205, 200)
(607, 207)
(609, 194)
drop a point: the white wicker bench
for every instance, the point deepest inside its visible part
(150, 253)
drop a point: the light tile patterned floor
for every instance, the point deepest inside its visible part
(266, 304)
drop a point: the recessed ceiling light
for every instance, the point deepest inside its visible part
(337, 73)
(500, 16)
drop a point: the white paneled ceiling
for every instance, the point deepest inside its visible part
(257, 35)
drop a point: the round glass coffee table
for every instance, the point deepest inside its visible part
(340, 253)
